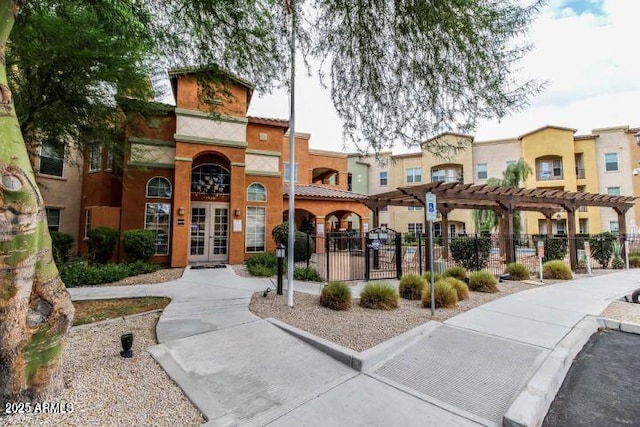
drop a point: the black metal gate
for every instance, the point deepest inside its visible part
(344, 256)
(383, 251)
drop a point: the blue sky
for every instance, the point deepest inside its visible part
(586, 51)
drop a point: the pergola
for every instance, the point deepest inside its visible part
(504, 202)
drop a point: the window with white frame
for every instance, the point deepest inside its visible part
(614, 226)
(384, 178)
(549, 169)
(256, 193)
(51, 160)
(95, 158)
(414, 175)
(481, 171)
(287, 172)
(157, 218)
(611, 162)
(159, 187)
(613, 191)
(255, 236)
(53, 219)
(415, 227)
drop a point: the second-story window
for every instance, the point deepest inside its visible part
(95, 158)
(481, 171)
(51, 160)
(611, 162)
(414, 175)
(549, 169)
(384, 178)
(613, 191)
(287, 172)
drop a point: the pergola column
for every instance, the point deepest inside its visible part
(506, 232)
(622, 225)
(444, 212)
(571, 224)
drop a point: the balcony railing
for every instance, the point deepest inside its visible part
(583, 209)
(546, 175)
(580, 173)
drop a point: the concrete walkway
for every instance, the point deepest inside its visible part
(241, 370)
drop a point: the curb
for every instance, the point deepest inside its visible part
(530, 408)
(116, 319)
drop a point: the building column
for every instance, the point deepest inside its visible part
(571, 233)
(445, 233)
(237, 212)
(181, 224)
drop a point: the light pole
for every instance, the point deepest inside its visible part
(292, 155)
(280, 251)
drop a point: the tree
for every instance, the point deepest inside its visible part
(513, 177)
(400, 72)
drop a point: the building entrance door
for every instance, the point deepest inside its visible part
(209, 232)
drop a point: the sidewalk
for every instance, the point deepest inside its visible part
(240, 369)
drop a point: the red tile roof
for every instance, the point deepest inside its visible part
(322, 192)
(268, 121)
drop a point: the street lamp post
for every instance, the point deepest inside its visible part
(280, 250)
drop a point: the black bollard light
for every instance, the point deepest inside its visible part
(280, 255)
(127, 342)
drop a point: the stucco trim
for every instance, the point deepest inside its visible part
(149, 141)
(240, 164)
(183, 159)
(205, 115)
(152, 165)
(210, 141)
(264, 152)
(327, 153)
(261, 173)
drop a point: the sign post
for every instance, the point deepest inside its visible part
(430, 199)
(587, 252)
(540, 256)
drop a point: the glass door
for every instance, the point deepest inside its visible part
(220, 233)
(199, 233)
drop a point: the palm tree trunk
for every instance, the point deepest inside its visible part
(35, 308)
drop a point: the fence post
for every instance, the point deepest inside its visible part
(308, 249)
(326, 253)
(398, 255)
(367, 261)
(476, 255)
(419, 254)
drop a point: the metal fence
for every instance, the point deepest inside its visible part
(384, 254)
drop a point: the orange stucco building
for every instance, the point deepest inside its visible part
(214, 186)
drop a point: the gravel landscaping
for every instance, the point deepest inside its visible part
(107, 390)
(360, 328)
(160, 276)
(623, 311)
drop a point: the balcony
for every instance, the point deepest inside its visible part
(549, 175)
(447, 174)
(580, 173)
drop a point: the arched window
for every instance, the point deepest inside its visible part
(256, 193)
(159, 187)
(210, 179)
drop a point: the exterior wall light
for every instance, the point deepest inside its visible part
(236, 212)
(181, 211)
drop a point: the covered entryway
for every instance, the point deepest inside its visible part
(209, 240)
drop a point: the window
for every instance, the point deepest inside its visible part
(256, 193)
(414, 175)
(53, 219)
(446, 175)
(51, 160)
(452, 230)
(613, 191)
(87, 223)
(95, 158)
(414, 208)
(583, 225)
(157, 216)
(384, 225)
(611, 162)
(437, 229)
(109, 161)
(481, 171)
(415, 228)
(384, 178)
(210, 179)
(549, 169)
(287, 172)
(349, 182)
(256, 229)
(614, 227)
(159, 187)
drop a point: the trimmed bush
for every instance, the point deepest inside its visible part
(556, 270)
(61, 244)
(483, 281)
(260, 270)
(307, 274)
(102, 241)
(264, 264)
(457, 272)
(142, 267)
(445, 295)
(461, 287)
(139, 245)
(303, 246)
(336, 296)
(471, 252)
(427, 276)
(81, 274)
(554, 247)
(634, 261)
(411, 286)
(617, 263)
(602, 247)
(517, 271)
(381, 296)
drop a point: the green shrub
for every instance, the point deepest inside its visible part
(517, 271)
(102, 241)
(461, 287)
(260, 270)
(602, 247)
(142, 267)
(411, 286)
(617, 263)
(556, 270)
(139, 245)
(483, 281)
(336, 296)
(307, 274)
(380, 296)
(457, 272)
(471, 252)
(634, 261)
(445, 295)
(81, 274)
(554, 247)
(427, 276)
(303, 246)
(61, 244)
